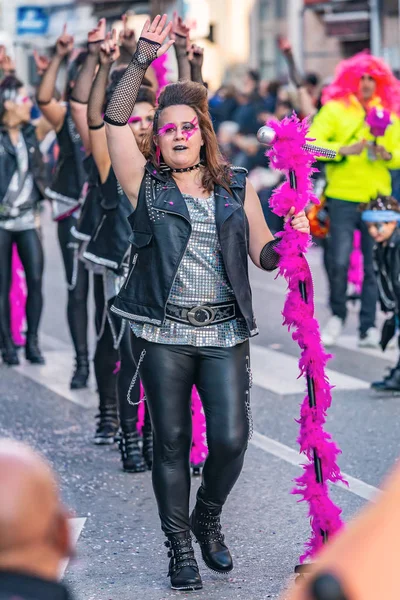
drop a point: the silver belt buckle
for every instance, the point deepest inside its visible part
(199, 316)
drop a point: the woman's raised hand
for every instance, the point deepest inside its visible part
(299, 222)
(157, 32)
(109, 50)
(65, 43)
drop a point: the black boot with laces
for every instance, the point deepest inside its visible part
(32, 350)
(206, 527)
(131, 455)
(183, 568)
(107, 426)
(81, 374)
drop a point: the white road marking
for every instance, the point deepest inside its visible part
(56, 374)
(278, 372)
(351, 343)
(356, 486)
(76, 526)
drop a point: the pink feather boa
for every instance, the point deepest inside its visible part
(287, 154)
(18, 295)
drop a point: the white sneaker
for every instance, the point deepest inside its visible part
(371, 339)
(331, 331)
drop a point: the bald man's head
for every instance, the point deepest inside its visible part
(31, 515)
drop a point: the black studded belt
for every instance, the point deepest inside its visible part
(203, 314)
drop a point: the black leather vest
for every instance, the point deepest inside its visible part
(8, 160)
(70, 173)
(160, 233)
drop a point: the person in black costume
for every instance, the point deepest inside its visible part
(188, 297)
(65, 192)
(22, 183)
(382, 217)
(108, 248)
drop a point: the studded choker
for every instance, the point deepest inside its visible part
(184, 170)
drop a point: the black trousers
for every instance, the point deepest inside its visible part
(168, 373)
(30, 251)
(345, 218)
(77, 278)
(113, 387)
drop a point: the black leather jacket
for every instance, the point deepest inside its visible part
(387, 269)
(160, 233)
(8, 161)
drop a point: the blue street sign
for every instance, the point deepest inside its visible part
(32, 20)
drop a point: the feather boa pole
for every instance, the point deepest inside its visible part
(288, 155)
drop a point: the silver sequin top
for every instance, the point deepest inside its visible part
(201, 279)
(21, 194)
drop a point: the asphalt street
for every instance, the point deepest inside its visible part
(119, 550)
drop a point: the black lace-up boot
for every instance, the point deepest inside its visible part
(81, 374)
(147, 441)
(183, 568)
(206, 527)
(9, 352)
(32, 350)
(131, 455)
(107, 425)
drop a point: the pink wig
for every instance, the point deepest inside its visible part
(347, 79)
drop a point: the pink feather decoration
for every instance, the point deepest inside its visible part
(378, 120)
(356, 268)
(287, 154)
(160, 68)
(199, 451)
(141, 410)
(18, 293)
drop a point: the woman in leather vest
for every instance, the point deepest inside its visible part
(65, 192)
(188, 298)
(22, 183)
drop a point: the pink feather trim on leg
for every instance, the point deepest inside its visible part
(18, 294)
(199, 450)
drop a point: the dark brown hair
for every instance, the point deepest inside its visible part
(382, 203)
(216, 169)
(8, 91)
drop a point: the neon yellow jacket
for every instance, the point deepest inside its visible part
(355, 178)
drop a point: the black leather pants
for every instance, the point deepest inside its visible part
(128, 410)
(168, 373)
(30, 251)
(78, 286)
(106, 356)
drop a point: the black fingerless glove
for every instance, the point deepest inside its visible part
(269, 258)
(120, 107)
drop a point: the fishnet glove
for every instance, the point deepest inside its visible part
(123, 100)
(269, 258)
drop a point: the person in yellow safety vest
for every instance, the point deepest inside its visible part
(359, 120)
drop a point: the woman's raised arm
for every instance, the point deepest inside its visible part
(54, 111)
(109, 53)
(127, 160)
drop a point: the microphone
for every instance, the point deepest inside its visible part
(267, 136)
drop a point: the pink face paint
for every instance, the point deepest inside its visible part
(158, 154)
(166, 129)
(134, 119)
(189, 132)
